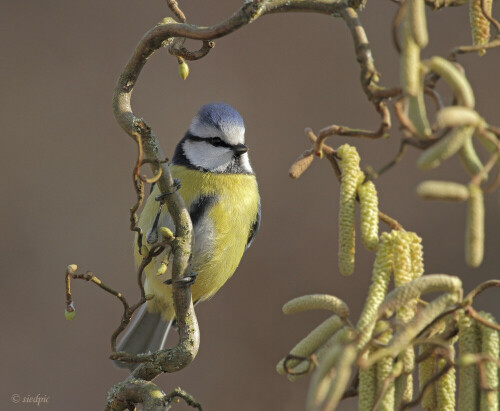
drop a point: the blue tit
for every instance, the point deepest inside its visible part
(220, 191)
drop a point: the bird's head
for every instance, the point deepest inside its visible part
(215, 141)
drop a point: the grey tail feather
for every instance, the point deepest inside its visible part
(147, 333)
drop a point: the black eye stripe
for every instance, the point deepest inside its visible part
(215, 141)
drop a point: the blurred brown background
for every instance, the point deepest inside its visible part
(66, 188)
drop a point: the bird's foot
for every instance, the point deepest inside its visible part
(187, 280)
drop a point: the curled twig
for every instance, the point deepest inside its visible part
(184, 53)
(174, 6)
(471, 312)
(479, 289)
(88, 276)
(179, 393)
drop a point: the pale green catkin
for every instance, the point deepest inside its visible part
(403, 275)
(368, 201)
(416, 110)
(322, 378)
(455, 116)
(490, 348)
(426, 370)
(454, 78)
(405, 335)
(446, 386)
(442, 190)
(384, 371)
(412, 80)
(403, 271)
(474, 234)
(417, 256)
(409, 61)
(479, 23)
(310, 344)
(468, 376)
(317, 302)
(326, 387)
(404, 383)
(444, 148)
(470, 160)
(382, 269)
(342, 337)
(367, 389)
(418, 23)
(488, 143)
(343, 374)
(414, 289)
(349, 165)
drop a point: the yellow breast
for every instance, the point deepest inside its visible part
(230, 218)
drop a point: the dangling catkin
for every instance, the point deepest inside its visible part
(474, 234)
(384, 371)
(426, 370)
(367, 390)
(490, 348)
(382, 269)
(446, 386)
(468, 377)
(479, 23)
(349, 165)
(368, 201)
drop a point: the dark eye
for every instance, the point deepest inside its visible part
(216, 141)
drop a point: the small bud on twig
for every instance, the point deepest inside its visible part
(183, 70)
(167, 233)
(70, 312)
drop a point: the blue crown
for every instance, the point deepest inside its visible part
(220, 115)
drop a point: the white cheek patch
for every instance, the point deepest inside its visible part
(245, 163)
(231, 133)
(207, 156)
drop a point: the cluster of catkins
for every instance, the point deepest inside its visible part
(457, 126)
(381, 346)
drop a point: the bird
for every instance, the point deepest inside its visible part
(220, 191)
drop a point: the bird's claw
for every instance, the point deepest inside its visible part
(187, 280)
